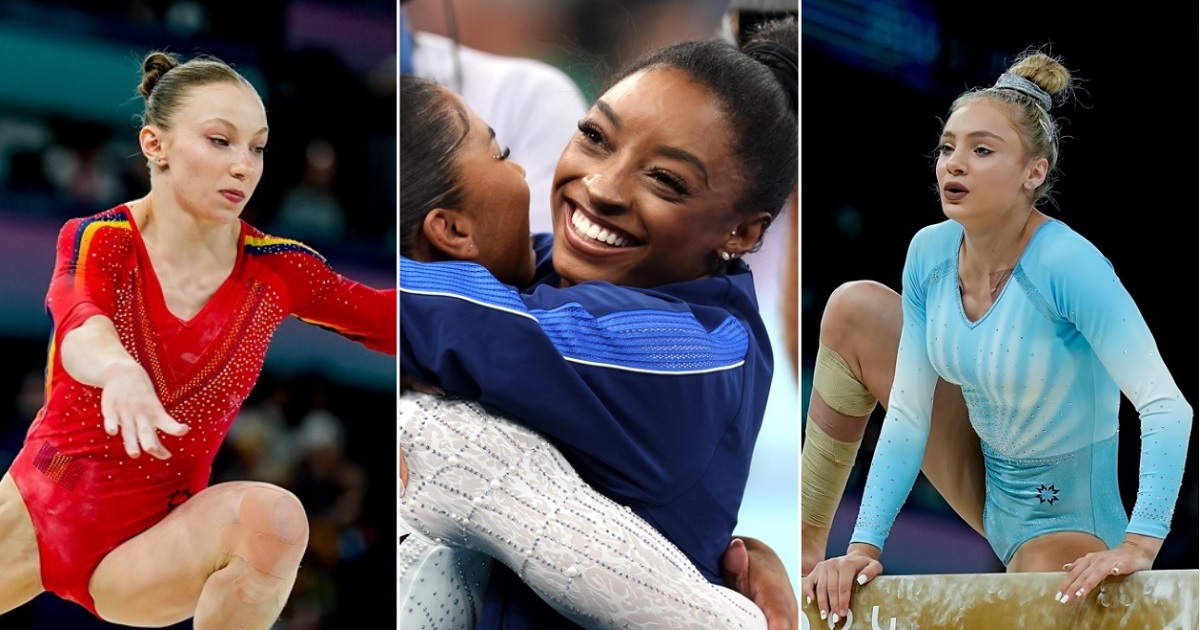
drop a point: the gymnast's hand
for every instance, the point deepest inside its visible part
(1137, 553)
(406, 383)
(130, 406)
(753, 569)
(830, 582)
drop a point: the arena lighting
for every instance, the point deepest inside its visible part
(897, 38)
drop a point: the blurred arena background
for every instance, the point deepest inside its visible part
(327, 73)
(878, 77)
(588, 39)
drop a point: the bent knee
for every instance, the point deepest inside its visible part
(857, 308)
(275, 511)
(271, 530)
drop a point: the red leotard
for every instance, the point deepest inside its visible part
(84, 493)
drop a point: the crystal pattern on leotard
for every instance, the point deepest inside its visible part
(480, 482)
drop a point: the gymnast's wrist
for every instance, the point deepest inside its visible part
(1147, 546)
(115, 368)
(863, 549)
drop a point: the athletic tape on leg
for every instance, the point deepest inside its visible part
(826, 462)
(839, 387)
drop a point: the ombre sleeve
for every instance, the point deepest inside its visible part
(905, 431)
(1084, 289)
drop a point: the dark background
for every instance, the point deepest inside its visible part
(878, 77)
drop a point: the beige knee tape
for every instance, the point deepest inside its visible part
(825, 465)
(838, 386)
(257, 539)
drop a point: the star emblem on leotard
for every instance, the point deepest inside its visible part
(177, 498)
(1047, 494)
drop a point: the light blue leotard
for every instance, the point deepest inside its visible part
(1042, 372)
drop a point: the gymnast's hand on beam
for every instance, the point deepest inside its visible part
(753, 569)
(830, 582)
(1137, 553)
(131, 407)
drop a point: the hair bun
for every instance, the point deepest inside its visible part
(154, 66)
(782, 60)
(1040, 76)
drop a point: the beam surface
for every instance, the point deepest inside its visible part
(1148, 600)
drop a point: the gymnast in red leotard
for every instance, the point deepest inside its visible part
(162, 310)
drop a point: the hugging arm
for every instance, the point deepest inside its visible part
(483, 486)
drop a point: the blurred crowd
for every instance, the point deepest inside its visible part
(330, 178)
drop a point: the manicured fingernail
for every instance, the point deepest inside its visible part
(1115, 570)
(824, 614)
(862, 579)
(1066, 566)
(807, 599)
(1058, 597)
(834, 618)
(1079, 593)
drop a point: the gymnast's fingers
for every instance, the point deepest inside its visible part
(109, 413)
(165, 423)
(1086, 574)
(815, 590)
(129, 434)
(839, 596)
(148, 436)
(403, 470)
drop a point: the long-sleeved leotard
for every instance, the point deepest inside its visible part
(1042, 372)
(654, 396)
(84, 493)
(478, 479)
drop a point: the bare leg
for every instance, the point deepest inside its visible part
(228, 557)
(861, 324)
(1049, 552)
(20, 567)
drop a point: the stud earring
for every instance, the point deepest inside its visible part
(726, 256)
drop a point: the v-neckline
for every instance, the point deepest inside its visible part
(154, 286)
(962, 309)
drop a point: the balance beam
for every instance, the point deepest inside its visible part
(1147, 600)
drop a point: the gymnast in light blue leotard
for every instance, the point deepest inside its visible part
(1042, 372)
(1031, 321)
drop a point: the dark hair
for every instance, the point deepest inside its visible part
(432, 128)
(762, 124)
(776, 45)
(165, 83)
